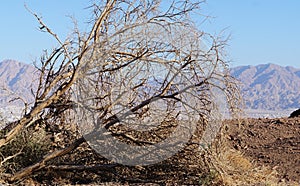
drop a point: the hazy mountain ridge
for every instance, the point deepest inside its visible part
(16, 80)
(269, 86)
(266, 87)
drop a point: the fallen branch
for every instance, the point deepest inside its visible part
(83, 167)
(10, 157)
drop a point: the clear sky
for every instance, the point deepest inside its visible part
(262, 31)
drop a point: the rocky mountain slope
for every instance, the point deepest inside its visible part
(16, 80)
(269, 86)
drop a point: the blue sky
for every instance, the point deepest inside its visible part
(262, 31)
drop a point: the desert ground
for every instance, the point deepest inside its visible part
(274, 143)
(248, 152)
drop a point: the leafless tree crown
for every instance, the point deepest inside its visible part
(140, 60)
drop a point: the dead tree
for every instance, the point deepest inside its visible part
(140, 59)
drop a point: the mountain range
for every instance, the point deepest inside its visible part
(16, 80)
(265, 87)
(269, 86)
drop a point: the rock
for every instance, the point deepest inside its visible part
(294, 114)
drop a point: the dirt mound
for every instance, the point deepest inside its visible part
(269, 142)
(296, 113)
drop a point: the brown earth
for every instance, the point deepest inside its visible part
(269, 142)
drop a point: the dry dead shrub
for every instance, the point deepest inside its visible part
(110, 69)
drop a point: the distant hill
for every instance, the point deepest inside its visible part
(269, 86)
(266, 87)
(16, 80)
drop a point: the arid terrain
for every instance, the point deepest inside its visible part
(274, 143)
(264, 151)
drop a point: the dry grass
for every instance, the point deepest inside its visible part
(237, 170)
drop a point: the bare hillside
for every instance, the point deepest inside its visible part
(269, 86)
